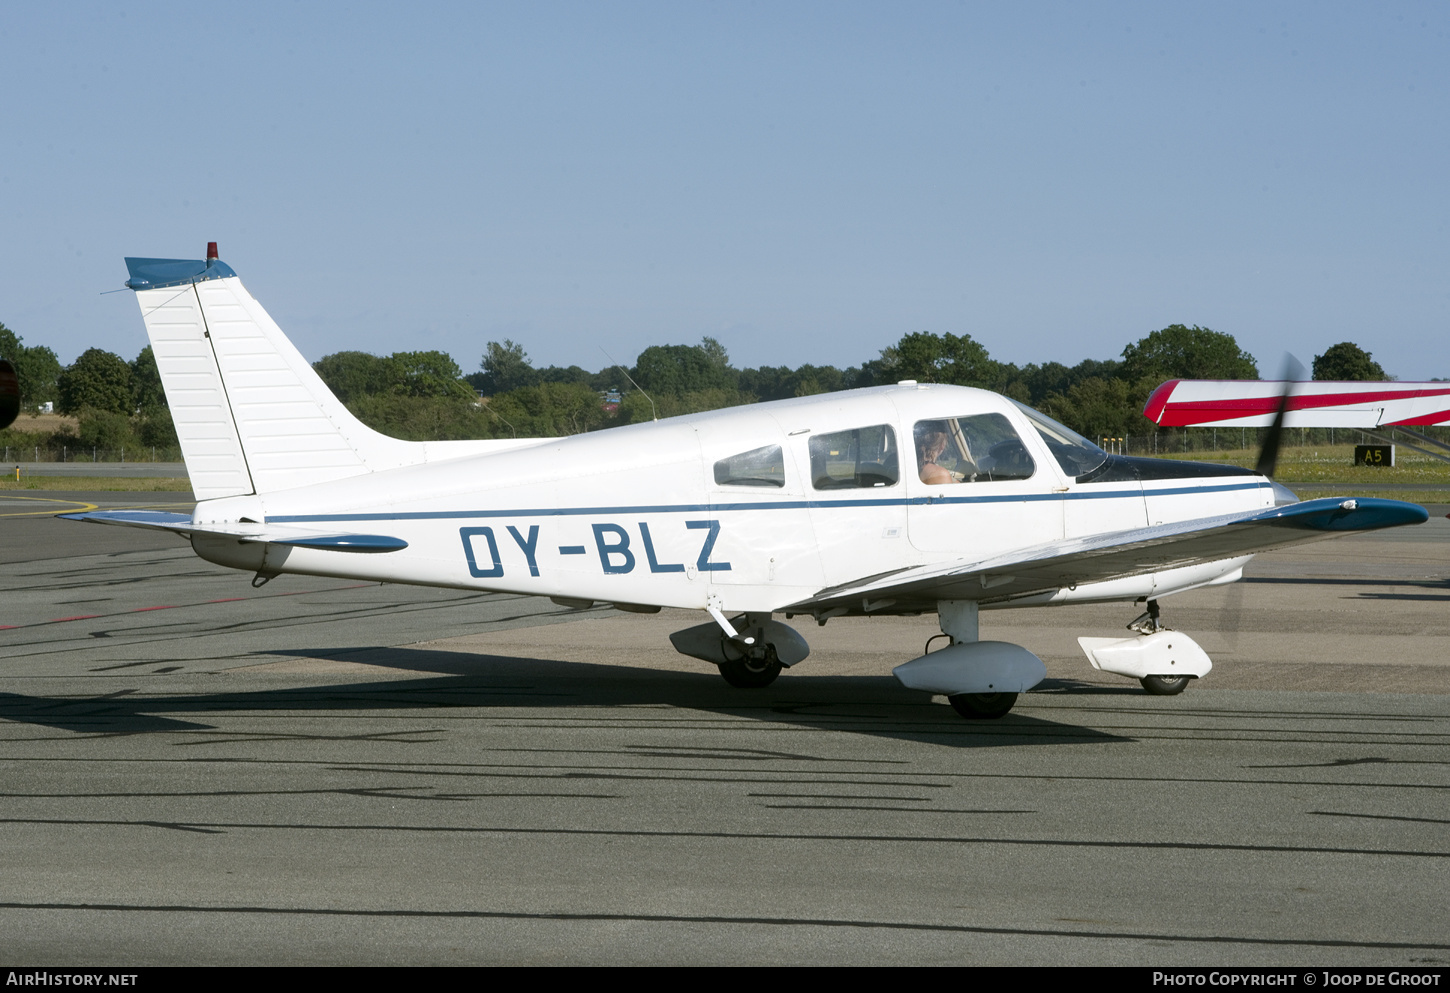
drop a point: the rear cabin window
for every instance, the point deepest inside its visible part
(757, 467)
(856, 459)
(977, 449)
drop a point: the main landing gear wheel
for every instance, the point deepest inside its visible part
(982, 706)
(752, 672)
(1165, 685)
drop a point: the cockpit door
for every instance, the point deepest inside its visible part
(978, 487)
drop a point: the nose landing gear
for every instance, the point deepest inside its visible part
(1165, 685)
(1162, 660)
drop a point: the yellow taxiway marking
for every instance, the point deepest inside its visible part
(75, 506)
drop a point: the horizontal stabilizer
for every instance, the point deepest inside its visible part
(269, 533)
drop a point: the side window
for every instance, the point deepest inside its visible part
(977, 449)
(758, 467)
(855, 459)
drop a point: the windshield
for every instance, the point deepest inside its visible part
(1073, 452)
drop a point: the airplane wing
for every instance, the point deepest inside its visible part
(271, 533)
(1320, 404)
(1100, 558)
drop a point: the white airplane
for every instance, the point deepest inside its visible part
(906, 499)
(1383, 410)
(1254, 403)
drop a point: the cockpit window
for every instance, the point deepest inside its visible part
(758, 467)
(976, 449)
(859, 458)
(1073, 452)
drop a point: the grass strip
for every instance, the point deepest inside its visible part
(102, 484)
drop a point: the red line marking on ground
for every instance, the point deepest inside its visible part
(7, 627)
(62, 620)
(330, 589)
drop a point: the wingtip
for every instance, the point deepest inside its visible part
(1341, 514)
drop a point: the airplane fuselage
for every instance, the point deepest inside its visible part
(752, 508)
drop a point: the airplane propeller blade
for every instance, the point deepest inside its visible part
(1232, 619)
(1269, 452)
(9, 394)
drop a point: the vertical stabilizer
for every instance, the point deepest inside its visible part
(251, 414)
(194, 390)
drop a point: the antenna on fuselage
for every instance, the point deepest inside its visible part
(653, 412)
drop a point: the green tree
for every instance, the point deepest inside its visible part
(155, 429)
(351, 375)
(36, 367)
(106, 430)
(98, 380)
(938, 358)
(1347, 360)
(1096, 408)
(505, 367)
(147, 394)
(715, 352)
(571, 374)
(674, 370)
(424, 418)
(550, 410)
(1179, 352)
(429, 374)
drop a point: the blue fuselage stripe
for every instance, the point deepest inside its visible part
(715, 508)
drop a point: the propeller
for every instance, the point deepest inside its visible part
(9, 394)
(1269, 451)
(1233, 607)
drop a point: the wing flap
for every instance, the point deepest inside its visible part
(244, 531)
(1101, 558)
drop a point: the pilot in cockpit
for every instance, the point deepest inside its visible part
(931, 440)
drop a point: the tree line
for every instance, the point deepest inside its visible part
(118, 405)
(426, 395)
(415, 395)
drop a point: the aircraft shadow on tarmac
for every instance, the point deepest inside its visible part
(868, 705)
(1424, 584)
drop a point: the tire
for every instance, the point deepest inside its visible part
(982, 706)
(746, 673)
(1165, 685)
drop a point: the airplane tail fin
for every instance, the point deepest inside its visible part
(251, 414)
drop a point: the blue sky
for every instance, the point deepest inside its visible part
(804, 181)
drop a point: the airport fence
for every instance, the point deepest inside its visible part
(75, 453)
(1171, 442)
(1168, 442)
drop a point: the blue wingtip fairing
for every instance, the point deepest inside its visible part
(1357, 514)
(154, 274)
(348, 542)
